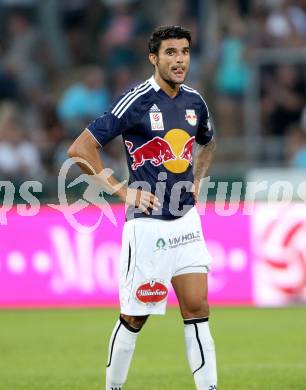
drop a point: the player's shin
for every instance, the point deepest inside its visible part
(121, 348)
(200, 351)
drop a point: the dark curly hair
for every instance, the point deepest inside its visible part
(167, 32)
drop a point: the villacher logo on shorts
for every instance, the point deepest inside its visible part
(151, 292)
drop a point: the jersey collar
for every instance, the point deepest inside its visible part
(154, 83)
(157, 88)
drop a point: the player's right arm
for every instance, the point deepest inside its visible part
(86, 151)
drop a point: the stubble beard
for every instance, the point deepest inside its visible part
(172, 83)
(167, 79)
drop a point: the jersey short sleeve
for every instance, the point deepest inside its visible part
(205, 131)
(108, 126)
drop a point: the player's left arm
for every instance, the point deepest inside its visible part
(205, 146)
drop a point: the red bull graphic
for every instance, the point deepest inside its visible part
(187, 150)
(157, 151)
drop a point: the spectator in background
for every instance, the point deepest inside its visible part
(20, 159)
(303, 119)
(76, 31)
(20, 60)
(257, 36)
(9, 88)
(286, 24)
(124, 36)
(296, 146)
(122, 79)
(297, 15)
(232, 78)
(283, 99)
(85, 100)
(51, 134)
(181, 13)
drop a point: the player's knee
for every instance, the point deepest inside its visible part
(134, 321)
(196, 309)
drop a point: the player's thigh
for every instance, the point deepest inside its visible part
(191, 291)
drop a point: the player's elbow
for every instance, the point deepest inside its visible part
(83, 146)
(76, 150)
(213, 144)
(72, 151)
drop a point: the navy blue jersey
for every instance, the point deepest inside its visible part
(158, 132)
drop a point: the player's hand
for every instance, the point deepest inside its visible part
(141, 199)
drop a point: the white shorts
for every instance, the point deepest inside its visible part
(153, 252)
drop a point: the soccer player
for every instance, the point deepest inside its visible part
(160, 121)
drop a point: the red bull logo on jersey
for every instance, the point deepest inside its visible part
(151, 292)
(174, 151)
(157, 151)
(181, 144)
(187, 150)
(191, 117)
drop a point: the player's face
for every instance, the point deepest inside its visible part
(172, 62)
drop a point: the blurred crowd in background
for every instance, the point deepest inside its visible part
(62, 63)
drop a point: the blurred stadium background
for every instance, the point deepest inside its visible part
(61, 64)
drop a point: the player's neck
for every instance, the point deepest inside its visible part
(171, 89)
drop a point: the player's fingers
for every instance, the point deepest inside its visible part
(149, 195)
(152, 200)
(143, 209)
(152, 204)
(149, 200)
(141, 204)
(147, 204)
(143, 199)
(146, 195)
(137, 198)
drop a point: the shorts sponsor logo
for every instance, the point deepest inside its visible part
(184, 239)
(174, 242)
(160, 245)
(151, 292)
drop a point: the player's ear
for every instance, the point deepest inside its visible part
(153, 58)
